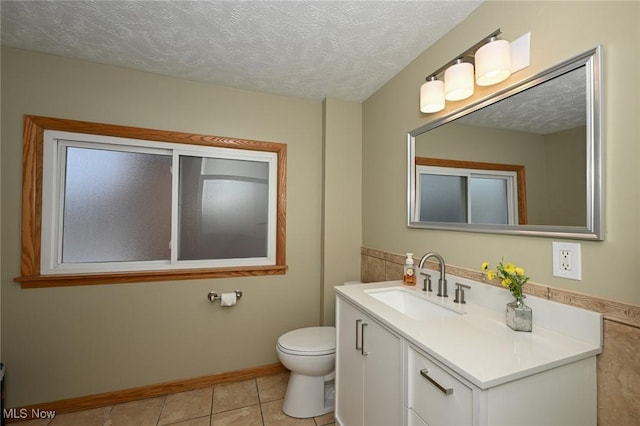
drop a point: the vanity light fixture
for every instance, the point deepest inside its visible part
(458, 81)
(432, 95)
(493, 62)
(491, 59)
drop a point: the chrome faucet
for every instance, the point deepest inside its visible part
(442, 282)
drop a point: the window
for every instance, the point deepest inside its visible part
(469, 192)
(122, 204)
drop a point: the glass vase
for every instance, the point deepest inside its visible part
(519, 315)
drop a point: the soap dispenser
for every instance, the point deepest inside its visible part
(409, 277)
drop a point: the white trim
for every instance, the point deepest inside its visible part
(510, 177)
(53, 185)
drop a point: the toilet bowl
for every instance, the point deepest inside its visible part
(309, 353)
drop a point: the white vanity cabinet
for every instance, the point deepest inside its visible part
(368, 370)
(467, 369)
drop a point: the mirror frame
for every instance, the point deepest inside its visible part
(594, 179)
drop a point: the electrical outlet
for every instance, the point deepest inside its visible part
(567, 260)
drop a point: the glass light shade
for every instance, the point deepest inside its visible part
(493, 63)
(432, 96)
(458, 81)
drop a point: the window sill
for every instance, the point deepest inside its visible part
(41, 281)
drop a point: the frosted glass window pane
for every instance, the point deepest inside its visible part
(489, 201)
(443, 198)
(224, 208)
(117, 206)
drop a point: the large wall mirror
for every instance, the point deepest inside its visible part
(526, 161)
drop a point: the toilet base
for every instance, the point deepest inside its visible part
(308, 396)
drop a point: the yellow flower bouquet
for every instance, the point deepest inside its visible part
(511, 276)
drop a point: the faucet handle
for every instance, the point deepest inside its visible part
(426, 286)
(460, 292)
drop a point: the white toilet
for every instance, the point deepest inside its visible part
(310, 354)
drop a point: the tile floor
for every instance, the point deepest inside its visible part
(254, 402)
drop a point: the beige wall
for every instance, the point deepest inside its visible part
(341, 209)
(66, 342)
(559, 31)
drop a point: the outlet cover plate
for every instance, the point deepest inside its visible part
(560, 269)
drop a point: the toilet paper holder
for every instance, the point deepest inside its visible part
(213, 296)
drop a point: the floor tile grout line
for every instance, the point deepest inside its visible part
(213, 398)
(164, 405)
(259, 402)
(164, 401)
(261, 415)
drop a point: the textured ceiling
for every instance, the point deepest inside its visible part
(309, 49)
(557, 104)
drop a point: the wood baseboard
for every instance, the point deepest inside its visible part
(134, 394)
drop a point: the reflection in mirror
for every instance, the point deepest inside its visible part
(470, 192)
(535, 146)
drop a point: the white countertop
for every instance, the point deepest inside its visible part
(478, 345)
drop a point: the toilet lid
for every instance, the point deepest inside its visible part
(310, 340)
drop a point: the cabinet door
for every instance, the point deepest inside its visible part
(382, 375)
(368, 370)
(349, 365)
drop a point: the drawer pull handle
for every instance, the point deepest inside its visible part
(358, 322)
(425, 373)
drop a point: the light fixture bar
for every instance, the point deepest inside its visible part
(469, 53)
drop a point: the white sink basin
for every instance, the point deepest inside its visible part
(410, 304)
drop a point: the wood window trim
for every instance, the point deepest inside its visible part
(459, 164)
(32, 163)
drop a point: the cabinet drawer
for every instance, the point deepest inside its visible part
(414, 420)
(438, 397)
